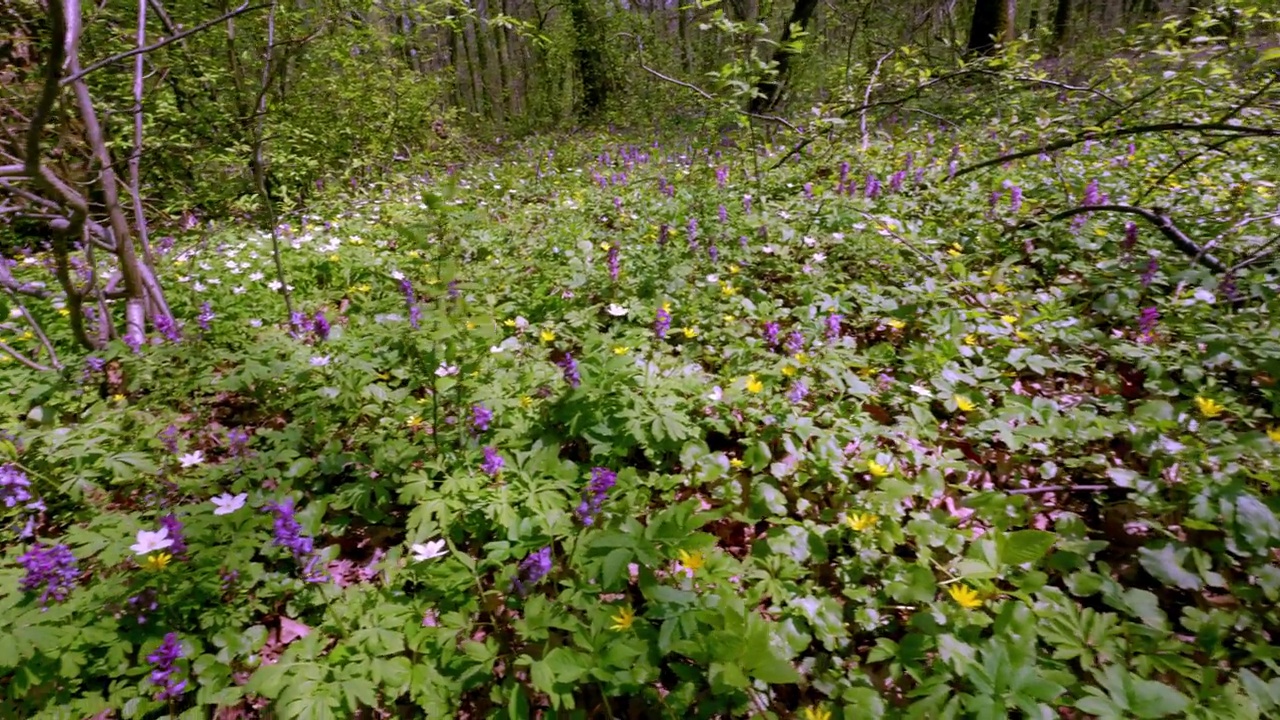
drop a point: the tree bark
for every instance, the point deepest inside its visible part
(984, 27)
(1061, 23)
(769, 90)
(587, 54)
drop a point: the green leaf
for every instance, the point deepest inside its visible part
(1153, 699)
(1025, 546)
(1165, 565)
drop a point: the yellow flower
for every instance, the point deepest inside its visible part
(622, 621)
(876, 469)
(414, 422)
(728, 290)
(754, 385)
(1022, 335)
(861, 521)
(737, 462)
(733, 269)
(604, 246)
(788, 371)
(27, 336)
(895, 323)
(802, 358)
(692, 561)
(5, 358)
(1209, 407)
(1009, 319)
(1002, 288)
(955, 249)
(813, 712)
(64, 312)
(414, 254)
(689, 332)
(547, 336)
(471, 325)
(157, 562)
(118, 397)
(334, 258)
(620, 349)
(964, 403)
(526, 402)
(729, 319)
(971, 339)
(509, 322)
(1274, 433)
(965, 596)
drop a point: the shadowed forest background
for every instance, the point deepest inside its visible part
(670, 359)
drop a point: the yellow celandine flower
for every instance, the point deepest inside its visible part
(729, 319)
(620, 350)
(802, 358)
(604, 246)
(471, 325)
(733, 269)
(414, 422)
(27, 336)
(1022, 335)
(1209, 407)
(158, 562)
(1273, 432)
(666, 306)
(1009, 319)
(1100, 232)
(623, 620)
(118, 397)
(754, 385)
(737, 462)
(955, 249)
(526, 402)
(64, 312)
(971, 339)
(334, 258)
(414, 254)
(876, 469)
(813, 712)
(547, 336)
(788, 370)
(692, 561)
(861, 522)
(509, 322)
(689, 332)
(965, 596)
(1002, 288)
(728, 290)
(964, 403)
(895, 323)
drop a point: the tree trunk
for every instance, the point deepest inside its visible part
(985, 26)
(590, 61)
(769, 91)
(1009, 23)
(1061, 23)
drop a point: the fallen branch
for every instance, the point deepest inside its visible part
(1163, 223)
(713, 98)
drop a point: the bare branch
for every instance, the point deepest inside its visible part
(1163, 223)
(866, 97)
(49, 92)
(23, 358)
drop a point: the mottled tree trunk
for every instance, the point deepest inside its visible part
(984, 28)
(769, 91)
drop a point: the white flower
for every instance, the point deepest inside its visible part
(191, 459)
(446, 370)
(809, 241)
(149, 542)
(397, 275)
(767, 249)
(237, 290)
(521, 323)
(320, 361)
(713, 278)
(819, 257)
(228, 503)
(255, 322)
(616, 310)
(255, 276)
(275, 285)
(429, 551)
(716, 394)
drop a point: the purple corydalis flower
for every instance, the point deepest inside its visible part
(481, 416)
(617, 203)
(896, 180)
(1130, 236)
(169, 436)
(237, 441)
(833, 326)
(1149, 275)
(844, 173)
(797, 392)
(134, 339)
(206, 316)
(723, 213)
(51, 570)
(163, 660)
(771, 330)
(94, 364)
(808, 190)
(171, 523)
(693, 232)
(872, 190)
(533, 569)
(662, 323)
(288, 533)
(1015, 198)
(594, 495)
(713, 253)
(722, 176)
(746, 204)
(320, 326)
(168, 327)
(297, 323)
(570, 367)
(1147, 320)
(411, 301)
(493, 462)
(615, 265)
(795, 343)
(664, 231)
(14, 486)
(1091, 195)
(454, 293)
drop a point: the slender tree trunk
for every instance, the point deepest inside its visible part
(769, 90)
(1009, 22)
(590, 61)
(1061, 23)
(985, 26)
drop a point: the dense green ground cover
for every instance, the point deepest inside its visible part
(609, 427)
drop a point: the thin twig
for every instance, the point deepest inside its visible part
(23, 358)
(1057, 488)
(1163, 223)
(866, 97)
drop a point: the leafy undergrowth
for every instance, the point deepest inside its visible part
(613, 431)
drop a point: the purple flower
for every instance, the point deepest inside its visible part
(205, 317)
(134, 339)
(833, 326)
(808, 190)
(1015, 198)
(288, 533)
(1147, 320)
(771, 330)
(1130, 236)
(664, 231)
(795, 343)
(493, 462)
(872, 190)
(14, 486)
(320, 326)
(481, 416)
(532, 570)
(614, 264)
(171, 523)
(297, 323)
(896, 180)
(570, 367)
(411, 301)
(1149, 275)
(746, 204)
(723, 213)
(693, 233)
(237, 441)
(713, 253)
(169, 436)
(51, 570)
(844, 173)
(1091, 195)
(168, 327)
(94, 364)
(162, 660)
(797, 392)
(594, 495)
(722, 175)
(454, 293)
(662, 323)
